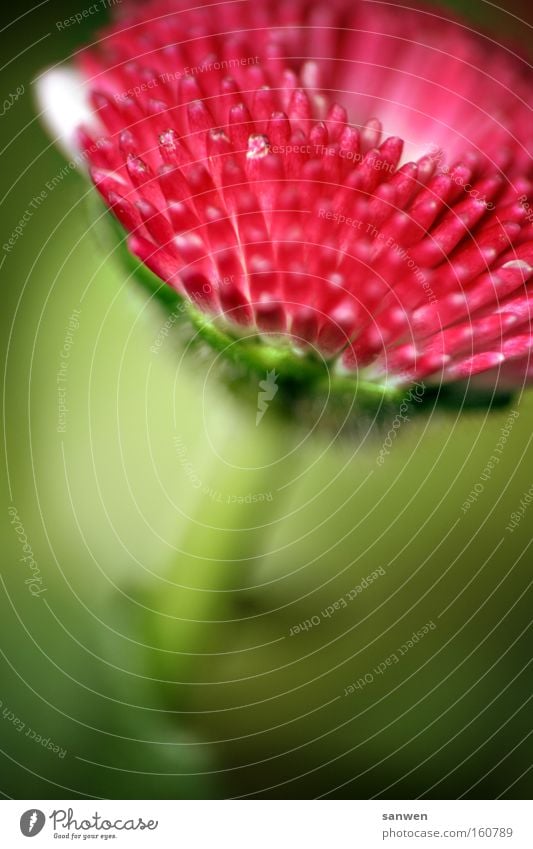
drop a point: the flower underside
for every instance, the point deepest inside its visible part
(237, 147)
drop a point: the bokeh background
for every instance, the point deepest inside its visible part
(177, 543)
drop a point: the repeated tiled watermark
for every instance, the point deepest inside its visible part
(166, 77)
(438, 156)
(339, 604)
(321, 150)
(87, 12)
(166, 328)
(72, 327)
(413, 396)
(526, 206)
(215, 495)
(392, 660)
(10, 717)
(267, 391)
(38, 199)
(202, 299)
(17, 232)
(34, 580)
(492, 462)
(369, 229)
(518, 514)
(11, 99)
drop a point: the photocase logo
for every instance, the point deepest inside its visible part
(32, 822)
(269, 387)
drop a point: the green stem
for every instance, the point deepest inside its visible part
(306, 373)
(206, 586)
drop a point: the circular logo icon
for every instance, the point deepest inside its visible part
(32, 822)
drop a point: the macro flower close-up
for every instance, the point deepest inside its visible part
(360, 217)
(267, 339)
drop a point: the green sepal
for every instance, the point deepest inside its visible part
(303, 379)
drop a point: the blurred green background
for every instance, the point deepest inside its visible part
(158, 659)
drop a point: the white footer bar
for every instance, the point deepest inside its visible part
(267, 824)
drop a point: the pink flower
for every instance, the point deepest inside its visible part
(236, 144)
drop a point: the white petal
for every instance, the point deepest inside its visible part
(62, 100)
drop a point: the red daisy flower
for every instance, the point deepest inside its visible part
(236, 144)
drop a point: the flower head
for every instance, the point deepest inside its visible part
(237, 145)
